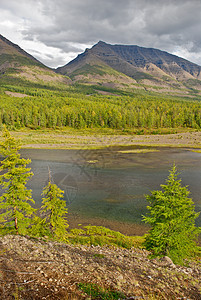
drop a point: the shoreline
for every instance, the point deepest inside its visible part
(75, 141)
(126, 228)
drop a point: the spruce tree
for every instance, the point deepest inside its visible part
(172, 219)
(16, 211)
(54, 209)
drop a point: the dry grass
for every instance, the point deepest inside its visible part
(70, 138)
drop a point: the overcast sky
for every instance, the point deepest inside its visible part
(55, 31)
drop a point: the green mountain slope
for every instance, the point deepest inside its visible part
(19, 67)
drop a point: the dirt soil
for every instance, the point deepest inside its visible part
(18, 95)
(35, 269)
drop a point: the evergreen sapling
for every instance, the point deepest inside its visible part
(172, 218)
(16, 211)
(54, 209)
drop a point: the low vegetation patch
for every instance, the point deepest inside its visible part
(138, 151)
(99, 235)
(97, 292)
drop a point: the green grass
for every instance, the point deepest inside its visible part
(141, 75)
(89, 69)
(99, 255)
(96, 292)
(19, 60)
(9, 81)
(95, 70)
(99, 235)
(138, 151)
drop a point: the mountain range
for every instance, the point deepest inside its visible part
(124, 67)
(133, 66)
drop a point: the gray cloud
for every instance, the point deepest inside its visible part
(51, 60)
(71, 26)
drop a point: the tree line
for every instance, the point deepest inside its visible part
(52, 109)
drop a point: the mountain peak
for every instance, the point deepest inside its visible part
(147, 66)
(101, 43)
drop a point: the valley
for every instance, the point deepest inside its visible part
(140, 96)
(100, 150)
(105, 129)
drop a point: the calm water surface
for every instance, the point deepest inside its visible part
(110, 185)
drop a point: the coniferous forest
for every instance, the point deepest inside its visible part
(82, 107)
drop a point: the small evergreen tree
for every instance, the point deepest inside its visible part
(38, 226)
(15, 208)
(55, 210)
(172, 219)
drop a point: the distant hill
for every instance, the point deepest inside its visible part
(16, 65)
(134, 66)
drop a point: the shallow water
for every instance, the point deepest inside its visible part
(108, 185)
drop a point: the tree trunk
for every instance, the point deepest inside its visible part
(16, 226)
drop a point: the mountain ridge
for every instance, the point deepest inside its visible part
(146, 66)
(7, 47)
(139, 61)
(18, 66)
(117, 67)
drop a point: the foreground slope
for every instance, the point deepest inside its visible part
(17, 66)
(35, 269)
(129, 65)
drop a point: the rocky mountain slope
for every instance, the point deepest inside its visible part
(133, 65)
(17, 65)
(34, 269)
(110, 67)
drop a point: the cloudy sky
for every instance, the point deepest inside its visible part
(55, 31)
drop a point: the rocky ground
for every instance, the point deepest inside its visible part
(36, 269)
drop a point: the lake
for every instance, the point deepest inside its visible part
(107, 187)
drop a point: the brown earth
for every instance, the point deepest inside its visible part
(36, 74)
(32, 269)
(19, 95)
